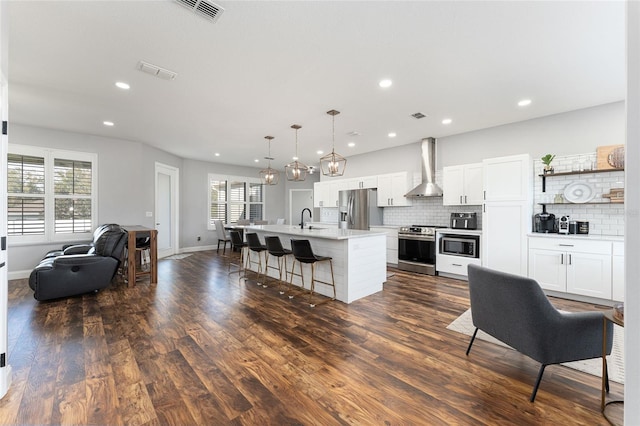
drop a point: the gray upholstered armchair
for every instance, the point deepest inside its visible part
(515, 310)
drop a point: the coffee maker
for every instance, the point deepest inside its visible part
(545, 222)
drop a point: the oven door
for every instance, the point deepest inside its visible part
(417, 254)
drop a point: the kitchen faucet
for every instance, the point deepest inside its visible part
(302, 217)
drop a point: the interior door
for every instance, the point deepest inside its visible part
(166, 220)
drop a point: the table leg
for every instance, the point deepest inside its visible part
(131, 259)
(154, 256)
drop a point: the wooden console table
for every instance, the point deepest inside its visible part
(608, 317)
(134, 232)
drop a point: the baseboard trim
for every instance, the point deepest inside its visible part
(18, 275)
(195, 249)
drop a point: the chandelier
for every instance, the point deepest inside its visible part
(333, 164)
(296, 171)
(269, 176)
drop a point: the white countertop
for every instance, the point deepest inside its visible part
(593, 237)
(313, 231)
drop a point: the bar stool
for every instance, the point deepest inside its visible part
(274, 248)
(256, 246)
(303, 253)
(237, 243)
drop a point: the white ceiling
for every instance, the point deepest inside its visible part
(265, 65)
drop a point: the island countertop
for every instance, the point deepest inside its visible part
(326, 232)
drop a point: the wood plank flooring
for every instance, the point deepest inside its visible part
(201, 349)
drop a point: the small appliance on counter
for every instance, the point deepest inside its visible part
(563, 225)
(578, 227)
(545, 222)
(464, 220)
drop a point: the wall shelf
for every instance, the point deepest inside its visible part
(583, 172)
(577, 204)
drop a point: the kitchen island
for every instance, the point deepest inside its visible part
(359, 258)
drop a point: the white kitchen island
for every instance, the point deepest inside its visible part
(359, 258)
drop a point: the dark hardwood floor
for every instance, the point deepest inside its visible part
(198, 348)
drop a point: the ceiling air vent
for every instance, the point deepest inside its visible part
(206, 9)
(418, 115)
(159, 72)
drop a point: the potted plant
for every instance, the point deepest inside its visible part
(547, 159)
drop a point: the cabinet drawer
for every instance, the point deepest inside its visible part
(569, 244)
(454, 264)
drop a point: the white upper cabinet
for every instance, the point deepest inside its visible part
(504, 179)
(391, 190)
(462, 185)
(361, 182)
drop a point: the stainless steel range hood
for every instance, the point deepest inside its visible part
(427, 187)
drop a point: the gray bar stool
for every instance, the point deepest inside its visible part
(256, 246)
(274, 248)
(237, 244)
(303, 253)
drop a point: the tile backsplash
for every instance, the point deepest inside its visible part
(427, 211)
(605, 218)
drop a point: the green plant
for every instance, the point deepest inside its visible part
(547, 159)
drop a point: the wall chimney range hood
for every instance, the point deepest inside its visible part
(427, 187)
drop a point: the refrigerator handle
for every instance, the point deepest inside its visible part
(350, 209)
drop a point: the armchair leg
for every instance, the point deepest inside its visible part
(606, 375)
(535, 388)
(472, 339)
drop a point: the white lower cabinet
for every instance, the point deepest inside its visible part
(455, 264)
(617, 273)
(572, 266)
(392, 243)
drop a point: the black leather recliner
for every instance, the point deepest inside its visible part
(81, 268)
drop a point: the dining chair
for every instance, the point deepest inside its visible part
(222, 236)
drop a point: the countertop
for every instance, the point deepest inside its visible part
(335, 224)
(592, 237)
(325, 231)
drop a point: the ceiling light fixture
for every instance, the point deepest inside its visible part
(333, 164)
(319, 152)
(392, 135)
(217, 154)
(296, 171)
(524, 102)
(122, 85)
(385, 83)
(351, 144)
(108, 123)
(269, 176)
(447, 121)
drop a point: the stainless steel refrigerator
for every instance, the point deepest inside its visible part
(358, 209)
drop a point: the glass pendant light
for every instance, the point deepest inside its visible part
(269, 176)
(333, 164)
(296, 171)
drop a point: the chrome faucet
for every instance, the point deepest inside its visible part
(302, 217)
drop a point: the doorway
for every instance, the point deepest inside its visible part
(167, 209)
(298, 200)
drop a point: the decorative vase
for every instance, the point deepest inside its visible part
(548, 170)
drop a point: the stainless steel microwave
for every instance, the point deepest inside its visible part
(460, 245)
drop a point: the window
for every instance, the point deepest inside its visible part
(232, 198)
(51, 194)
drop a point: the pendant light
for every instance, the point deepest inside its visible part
(269, 176)
(333, 164)
(296, 171)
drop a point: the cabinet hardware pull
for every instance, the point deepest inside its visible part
(565, 245)
(569, 259)
(465, 199)
(461, 199)
(456, 264)
(562, 258)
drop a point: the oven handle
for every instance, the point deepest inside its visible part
(416, 238)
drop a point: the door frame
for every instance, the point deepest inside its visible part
(291, 191)
(174, 174)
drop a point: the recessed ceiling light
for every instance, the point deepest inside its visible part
(447, 121)
(385, 83)
(256, 161)
(122, 85)
(319, 152)
(108, 123)
(217, 154)
(392, 135)
(351, 144)
(295, 158)
(524, 102)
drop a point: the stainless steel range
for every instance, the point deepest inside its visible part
(417, 249)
